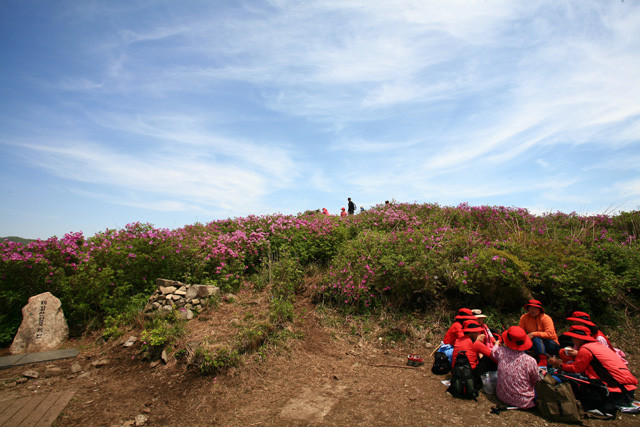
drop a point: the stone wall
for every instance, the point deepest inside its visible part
(174, 295)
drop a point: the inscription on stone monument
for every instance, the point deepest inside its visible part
(43, 325)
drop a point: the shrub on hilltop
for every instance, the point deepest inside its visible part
(408, 256)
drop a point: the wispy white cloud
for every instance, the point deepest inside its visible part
(218, 108)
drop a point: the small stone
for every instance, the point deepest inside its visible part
(52, 372)
(164, 356)
(167, 289)
(180, 292)
(129, 424)
(154, 363)
(146, 410)
(195, 301)
(21, 380)
(31, 374)
(83, 375)
(100, 363)
(75, 368)
(185, 314)
(130, 341)
(141, 420)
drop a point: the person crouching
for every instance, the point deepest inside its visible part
(598, 362)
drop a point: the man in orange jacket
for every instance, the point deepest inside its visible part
(539, 327)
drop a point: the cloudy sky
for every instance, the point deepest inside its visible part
(175, 112)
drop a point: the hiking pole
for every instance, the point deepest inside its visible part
(434, 351)
(497, 409)
(586, 382)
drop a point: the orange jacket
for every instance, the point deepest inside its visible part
(541, 326)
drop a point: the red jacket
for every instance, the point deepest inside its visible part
(609, 359)
(473, 348)
(453, 333)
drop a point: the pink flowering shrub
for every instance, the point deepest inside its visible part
(406, 255)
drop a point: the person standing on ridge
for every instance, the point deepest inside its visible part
(352, 206)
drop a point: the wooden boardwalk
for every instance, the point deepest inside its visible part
(36, 411)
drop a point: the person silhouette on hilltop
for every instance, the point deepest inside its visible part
(352, 206)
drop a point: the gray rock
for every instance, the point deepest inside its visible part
(75, 368)
(130, 341)
(167, 289)
(31, 374)
(164, 356)
(185, 314)
(43, 326)
(100, 363)
(52, 371)
(202, 291)
(141, 420)
(165, 282)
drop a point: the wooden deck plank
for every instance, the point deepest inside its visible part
(38, 413)
(5, 405)
(24, 412)
(55, 410)
(12, 408)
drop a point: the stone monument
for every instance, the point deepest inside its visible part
(43, 326)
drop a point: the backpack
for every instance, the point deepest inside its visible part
(593, 394)
(463, 384)
(440, 364)
(556, 401)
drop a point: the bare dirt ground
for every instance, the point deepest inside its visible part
(329, 377)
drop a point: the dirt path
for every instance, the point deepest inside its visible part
(323, 379)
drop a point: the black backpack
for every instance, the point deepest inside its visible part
(463, 384)
(440, 364)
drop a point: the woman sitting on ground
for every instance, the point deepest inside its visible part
(582, 318)
(454, 330)
(539, 328)
(517, 371)
(471, 343)
(489, 339)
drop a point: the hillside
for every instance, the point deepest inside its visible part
(330, 370)
(17, 239)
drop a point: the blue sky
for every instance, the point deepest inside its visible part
(176, 112)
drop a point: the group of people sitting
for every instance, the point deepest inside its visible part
(518, 353)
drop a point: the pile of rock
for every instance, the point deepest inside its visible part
(173, 295)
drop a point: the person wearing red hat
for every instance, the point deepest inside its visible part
(454, 330)
(471, 343)
(343, 212)
(582, 318)
(599, 362)
(540, 329)
(517, 371)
